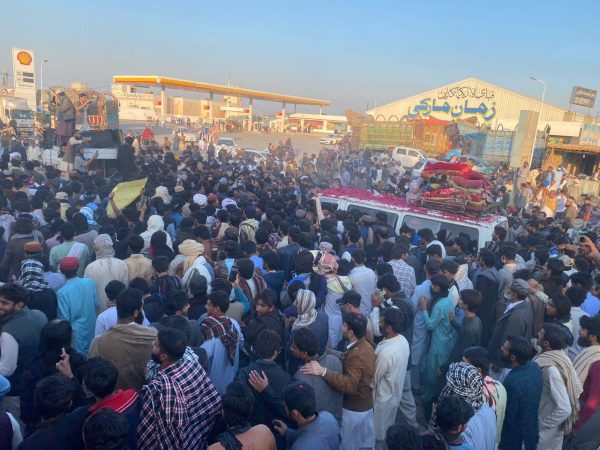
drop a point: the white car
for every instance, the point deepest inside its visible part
(407, 156)
(228, 144)
(257, 155)
(418, 168)
(188, 135)
(332, 139)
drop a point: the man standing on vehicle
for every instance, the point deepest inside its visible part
(66, 117)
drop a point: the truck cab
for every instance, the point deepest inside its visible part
(14, 108)
(399, 212)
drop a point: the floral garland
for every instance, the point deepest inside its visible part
(393, 201)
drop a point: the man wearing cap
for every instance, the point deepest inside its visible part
(517, 320)
(350, 303)
(77, 303)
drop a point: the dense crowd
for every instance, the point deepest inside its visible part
(223, 309)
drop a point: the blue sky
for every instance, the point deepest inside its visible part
(350, 52)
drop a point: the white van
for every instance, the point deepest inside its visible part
(407, 156)
(478, 228)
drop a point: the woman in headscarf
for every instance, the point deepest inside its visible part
(326, 264)
(307, 317)
(155, 223)
(41, 296)
(105, 269)
(159, 246)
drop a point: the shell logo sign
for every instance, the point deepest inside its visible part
(24, 58)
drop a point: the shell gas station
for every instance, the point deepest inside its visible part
(212, 109)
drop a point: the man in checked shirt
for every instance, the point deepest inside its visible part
(179, 405)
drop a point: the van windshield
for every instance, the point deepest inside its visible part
(417, 223)
(21, 114)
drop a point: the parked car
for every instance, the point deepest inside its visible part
(417, 169)
(332, 139)
(478, 164)
(256, 155)
(407, 156)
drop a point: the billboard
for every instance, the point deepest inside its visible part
(583, 97)
(24, 75)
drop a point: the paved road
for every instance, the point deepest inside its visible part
(303, 143)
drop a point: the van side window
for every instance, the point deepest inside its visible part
(401, 151)
(453, 229)
(392, 218)
(412, 153)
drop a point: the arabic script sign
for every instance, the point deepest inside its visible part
(427, 106)
(460, 92)
(583, 97)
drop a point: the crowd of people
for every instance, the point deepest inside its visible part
(223, 309)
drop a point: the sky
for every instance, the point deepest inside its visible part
(353, 52)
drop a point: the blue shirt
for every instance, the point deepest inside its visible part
(591, 305)
(323, 433)
(77, 303)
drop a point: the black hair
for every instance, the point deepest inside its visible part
(161, 264)
(521, 349)
(307, 341)
(129, 301)
(426, 234)
(269, 297)
(179, 323)
(562, 304)
(359, 256)
(508, 251)
(219, 299)
(394, 318)
(100, 377)
(487, 257)
(442, 282)
(173, 342)
(585, 280)
(175, 301)
(267, 343)
(113, 289)
(478, 357)
(238, 402)
(403, 436)
(135, 243)
(471, 298)
(577, 295)
(556, 336)
(245, 267)
(14, 292)
(271, 260)
(106, 429)
(53, 396)
(357, 323)
(451, 412)
(390, 282)
(541, 255)
(67, 231)
(450, 266)
(500, 231)
(248, 247)
(140, 284)
(591, 324)
(300, 396)
(434, 250)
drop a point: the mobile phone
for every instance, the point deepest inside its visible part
(233, 274)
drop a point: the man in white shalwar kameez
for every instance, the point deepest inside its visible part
(390, 371)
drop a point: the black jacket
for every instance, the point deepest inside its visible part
(269, 404)
(516, 322)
